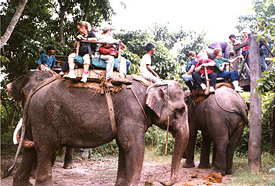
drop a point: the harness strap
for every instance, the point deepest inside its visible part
(111, 110)
(140, 106)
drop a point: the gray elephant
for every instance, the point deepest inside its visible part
(57, 115)
(221, 117)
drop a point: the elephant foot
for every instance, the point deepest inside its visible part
(215, 170)
(188, 165)
(204, 166)
(68, 166)
(22, 184)
(168, 183)
(229, 171)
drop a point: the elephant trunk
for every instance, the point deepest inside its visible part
(181, 141)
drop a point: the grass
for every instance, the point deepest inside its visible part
(242, 176)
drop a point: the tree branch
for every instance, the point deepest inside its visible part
(13, 23)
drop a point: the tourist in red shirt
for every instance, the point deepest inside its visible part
(199, 73)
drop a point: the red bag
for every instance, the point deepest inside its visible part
(108, 49)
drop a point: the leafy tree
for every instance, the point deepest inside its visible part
(42, 23)
(264, 14)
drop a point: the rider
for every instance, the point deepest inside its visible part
(199, 73)
(85, 50)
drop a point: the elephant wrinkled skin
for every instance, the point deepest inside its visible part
(59, 115)
(221, 118)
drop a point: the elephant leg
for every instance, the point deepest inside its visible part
(121, 172)
(22, 175)
(44, 168)
(189, 153)
(220, 160)
(68, 160)
(130, 158)
(205, 152)
(233, 142)
(53, 158)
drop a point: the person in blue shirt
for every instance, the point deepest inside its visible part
(46, 61)
(187, 78)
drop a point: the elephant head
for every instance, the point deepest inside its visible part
(167, 102)
(25, 84)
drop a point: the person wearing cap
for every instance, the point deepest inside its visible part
(145, 65)
(245, 32)
(85, 50)
(199, 73)
(187, 78)
(107, 37)
(221, 70)
(225, 46)
(46, 61)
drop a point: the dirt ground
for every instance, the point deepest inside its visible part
(102, 172)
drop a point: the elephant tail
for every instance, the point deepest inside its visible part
(243, 109)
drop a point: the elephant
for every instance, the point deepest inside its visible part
(21, 98)
(221, 117)
(57, 115)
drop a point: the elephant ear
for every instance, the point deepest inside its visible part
(156, 98)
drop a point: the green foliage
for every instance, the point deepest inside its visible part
(107, 149)
(266, 83)
(193, 42)
(156, 138)
(164, 62)
(243, 177)
(267, 106)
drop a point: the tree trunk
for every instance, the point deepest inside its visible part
(63, 8)
(255, 131)
(12, 24)
(272, 148)
(86, 10)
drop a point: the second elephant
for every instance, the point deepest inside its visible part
(221, 118)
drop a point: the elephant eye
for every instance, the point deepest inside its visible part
(180, 110)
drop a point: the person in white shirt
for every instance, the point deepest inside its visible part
(145, 65)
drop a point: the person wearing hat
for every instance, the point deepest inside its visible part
(187, 78)
(107, 37)
(145, 65)
(199, 73)
(46, 61)
(221, 70)
(225, 46)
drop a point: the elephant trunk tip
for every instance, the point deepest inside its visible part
(7, 172)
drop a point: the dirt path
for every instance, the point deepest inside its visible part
(102, 172)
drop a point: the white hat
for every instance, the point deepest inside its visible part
(106, 28)
(246, 30)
